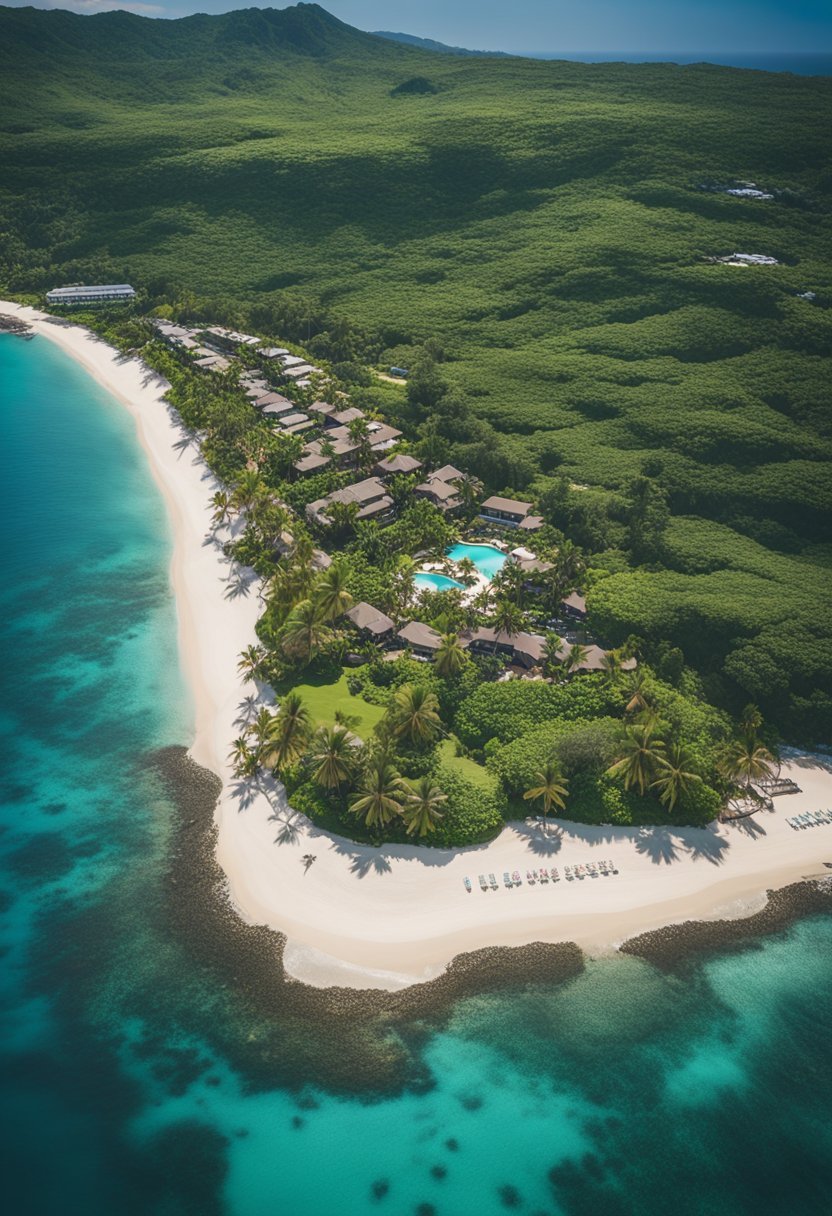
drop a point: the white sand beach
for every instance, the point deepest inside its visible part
(388, 917)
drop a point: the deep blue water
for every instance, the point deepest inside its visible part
(133, 1083)
(808, 63)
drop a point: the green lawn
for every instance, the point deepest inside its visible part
(323, 696)
(466, 768)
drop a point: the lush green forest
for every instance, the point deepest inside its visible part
(532, 239)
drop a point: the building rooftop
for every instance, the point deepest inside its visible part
(398, 464)
(510, 506)
(310, 462)
(419, 635)
(447, 473)
(100, 290)
(576, 602)
(364, 616)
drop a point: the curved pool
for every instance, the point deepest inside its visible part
(488, 560)
(426, 580)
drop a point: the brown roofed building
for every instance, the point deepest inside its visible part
(391, 465)
(505, 510)
(370, 496)
(368, 619)
(422, 639)
(575, 606)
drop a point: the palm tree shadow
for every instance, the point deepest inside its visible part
(244, 791)
(709, 846)
(363, 863)
(750, 826)
(248, 709)
(238, 585)
(540, 840)
(658, 845)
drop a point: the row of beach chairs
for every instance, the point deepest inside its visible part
(811, 819)
(593, 869)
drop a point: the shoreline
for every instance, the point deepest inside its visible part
(389, 918)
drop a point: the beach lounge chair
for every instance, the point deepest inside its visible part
(516, 877)
(507, 878)
(483, 883)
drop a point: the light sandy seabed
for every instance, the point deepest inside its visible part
(389, 917)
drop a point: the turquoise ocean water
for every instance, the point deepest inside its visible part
(130, 1078)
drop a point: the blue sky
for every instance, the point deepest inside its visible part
(550, 25)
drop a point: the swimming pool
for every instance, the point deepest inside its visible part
(426, 580)
(486, 558)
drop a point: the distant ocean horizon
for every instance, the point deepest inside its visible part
(800, 63)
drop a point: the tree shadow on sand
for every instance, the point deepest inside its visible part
(658, 845)
(542, 841)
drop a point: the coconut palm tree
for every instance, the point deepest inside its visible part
(333, 754)
(243, 759)
(402, 588)
(380, 793)
(288, 734)
(466, 571)
(305, 631)
(636, 692)
(261, 728)
(246, 490)
(250, 662)
(639, 756)
(470, 490)
(576, 656)
(611, 665)
(414, 714)
(674, 775)
(221, 502)
(422, 806)
(507, 618)
(553, 656)
(750, 722)
(450, 658)
(551, 787)
(330, 592)
(744, 761)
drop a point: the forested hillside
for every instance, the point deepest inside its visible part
(545, 227)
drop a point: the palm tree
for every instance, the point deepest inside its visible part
(288, 735)
(221, 502)
(246, 489)
(414, 714)
(507, 619)
(636, 691)
(333, 753)
(304, 632)
(470, 492)
(750, 722)
(675, 777)
(330, 592)
(359, 433)
(261, 728)
(422, 803)
(379, 795)
(466, 571)
(401, 584)
(744, 761)
(553, 655)
(640, 754)
(576, 656)
(551, 788)
(250, 662)
(611, 664)
(243, 759)
(450, 658)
